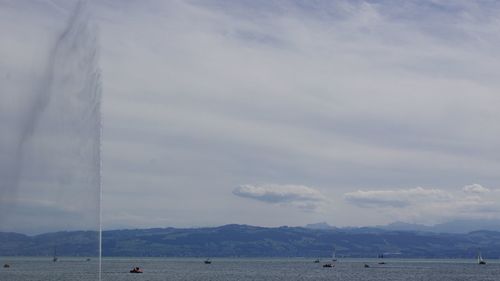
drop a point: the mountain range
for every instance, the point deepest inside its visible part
(252, 241)
(455, 226)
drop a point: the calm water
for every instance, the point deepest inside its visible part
(77, 269)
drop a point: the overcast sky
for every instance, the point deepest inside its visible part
(279, 112)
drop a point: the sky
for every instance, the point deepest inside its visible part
(273, 112)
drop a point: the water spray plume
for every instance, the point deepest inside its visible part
(53, 179)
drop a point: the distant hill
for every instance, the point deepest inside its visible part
(455, 226)
(252, 241)
(402, 226)
(320, 225)
(464, 226)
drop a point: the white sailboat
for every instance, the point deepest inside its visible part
(334, 259)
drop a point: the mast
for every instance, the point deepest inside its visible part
(54, 259)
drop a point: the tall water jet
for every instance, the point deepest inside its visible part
(50, 177)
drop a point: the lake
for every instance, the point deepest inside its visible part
(78, 269)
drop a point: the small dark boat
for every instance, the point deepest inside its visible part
(136, 270)
(316, 261)
(330, 264)
(6, 265)
(367, 266)
(87, 259)
(208, 261)
(382, 262)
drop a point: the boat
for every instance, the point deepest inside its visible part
(136, 270)
(380, 256)
(367, 265)
(480, 259)
(54, 259)
(208, 261)
(6, 265)
(334, 259)
(316, 261)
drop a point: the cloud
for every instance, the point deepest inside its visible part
(425, 205)
(295, 195)
(398, 198)
(338, 94)
(475, 188)
(281, 91)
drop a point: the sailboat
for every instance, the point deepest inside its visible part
(381, 256)
(480, 258)
(54, 259)
(334, 256)
(334, 259)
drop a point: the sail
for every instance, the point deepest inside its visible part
(480, 259)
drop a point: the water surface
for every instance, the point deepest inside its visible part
(78, 269)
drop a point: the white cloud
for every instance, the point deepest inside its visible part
(300, 196)
(475, 188)
(425, 205)
(398, 198)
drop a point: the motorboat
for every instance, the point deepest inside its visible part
(136, 270)
(334, 259)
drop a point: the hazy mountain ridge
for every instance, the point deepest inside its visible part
(455, 226)
(252, 241)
